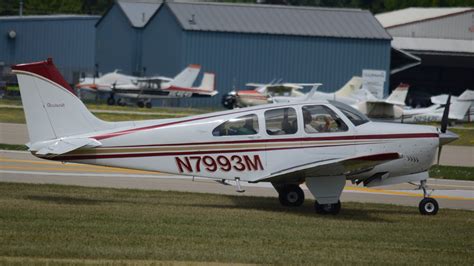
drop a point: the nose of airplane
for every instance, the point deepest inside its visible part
(447, 137)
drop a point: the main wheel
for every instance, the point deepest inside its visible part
(148, 104)
(428, 206)
(140, 104)
(110, 101)
(291, 195)
(333, 208)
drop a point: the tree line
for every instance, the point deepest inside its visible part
(98, 7)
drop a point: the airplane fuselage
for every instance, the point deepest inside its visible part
(188, 146)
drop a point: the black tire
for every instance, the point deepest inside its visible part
(110, 101)
(291, 195)
(120, 102)
(428, 206)
(140, 104)
(333, 208)
(148, 105)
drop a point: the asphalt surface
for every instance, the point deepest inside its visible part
(25, 168)
(451, 155)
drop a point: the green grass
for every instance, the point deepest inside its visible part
(13, 147)
(98, 224)
(452, 172)
(466, 137)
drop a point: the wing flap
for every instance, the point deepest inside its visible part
(332, 167)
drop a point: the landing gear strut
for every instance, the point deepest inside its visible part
(291, 195)
(427, 206)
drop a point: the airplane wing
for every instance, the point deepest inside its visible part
(155, 79)
(332, 167)
(63, 145)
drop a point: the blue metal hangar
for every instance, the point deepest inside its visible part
(69, 39)
(242, 42)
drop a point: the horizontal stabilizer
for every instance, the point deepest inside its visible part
(63, 145)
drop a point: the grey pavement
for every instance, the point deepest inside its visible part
(25, 168)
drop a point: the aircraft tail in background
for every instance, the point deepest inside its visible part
(185, 78)
(354, 84)
(399, 95)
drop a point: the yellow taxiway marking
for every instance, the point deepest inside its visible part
(77, 167)
(402, 193)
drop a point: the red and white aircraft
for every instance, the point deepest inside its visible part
(322, 144)
(146, 88)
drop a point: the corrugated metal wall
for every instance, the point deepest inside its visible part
(118, 44)
(241, 58)
(162, 45)
(235, 58)
(451, 27)
(69, 41)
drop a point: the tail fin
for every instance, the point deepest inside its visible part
(208, 82)
(398, 95)
(459, 109)
(51, 107)
(350, 87)
(467, 95)
(186, 78)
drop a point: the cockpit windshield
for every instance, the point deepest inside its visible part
(355, 116)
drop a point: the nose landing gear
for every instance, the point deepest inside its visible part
(427, 206)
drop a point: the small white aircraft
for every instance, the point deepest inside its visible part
(321, 144)
(261, 94)
(460, 106)
(145, 88)
(354, 95)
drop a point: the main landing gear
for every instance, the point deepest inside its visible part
(290, 194)
(427, 206)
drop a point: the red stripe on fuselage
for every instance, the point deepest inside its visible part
(156, 154)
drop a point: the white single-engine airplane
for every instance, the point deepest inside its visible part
(145, 88)
(320, 143)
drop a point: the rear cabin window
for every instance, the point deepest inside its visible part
(281, 121)
(320, 119)
(243, 125)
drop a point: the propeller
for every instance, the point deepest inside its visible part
(445, 137)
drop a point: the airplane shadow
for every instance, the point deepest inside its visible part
(71, 200)
(306, 210)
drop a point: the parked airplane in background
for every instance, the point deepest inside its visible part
(261, 94)
(362, 99)
(143, 89)
(321, 144)
(460, 106)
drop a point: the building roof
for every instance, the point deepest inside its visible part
(417, 14)
(433, 45)
(281, 20)
(50, 17)
(139, 12)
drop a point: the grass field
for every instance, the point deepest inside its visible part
(66, 224)
(452, 172)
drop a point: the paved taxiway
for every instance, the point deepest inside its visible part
(23, 167)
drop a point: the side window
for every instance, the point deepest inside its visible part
(281, 121)
(243, 125)
(320, 119)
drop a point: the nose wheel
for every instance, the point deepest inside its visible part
(427, 206)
